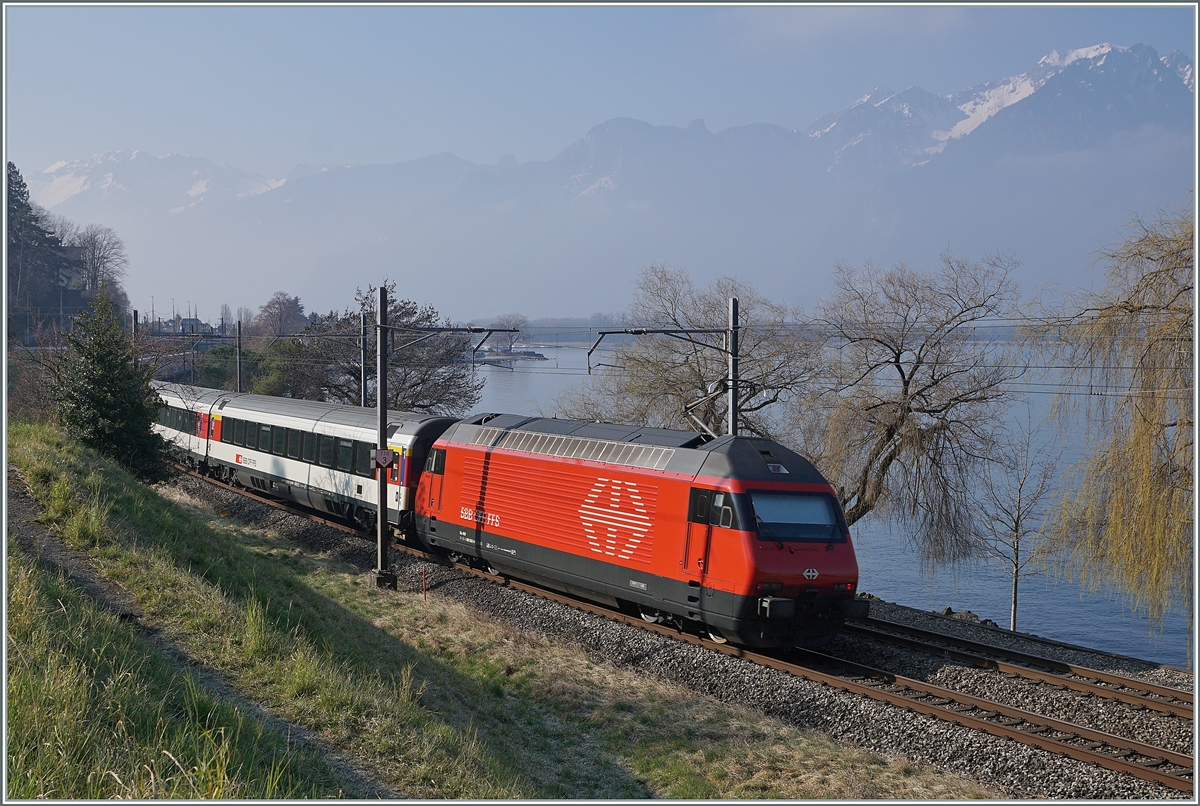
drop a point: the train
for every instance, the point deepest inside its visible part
(737, 537)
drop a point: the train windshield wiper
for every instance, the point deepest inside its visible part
(762, 527)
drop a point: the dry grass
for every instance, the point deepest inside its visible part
(435, 699)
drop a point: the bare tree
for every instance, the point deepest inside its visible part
(246, 317)
(227, 319)
(280, 315)
(1128, 519)
(651, 379)
(907, 405)
(515, 321)
(66, 229)
(1013, 498)
(103, 254)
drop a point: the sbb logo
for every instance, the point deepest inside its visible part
(614, 518)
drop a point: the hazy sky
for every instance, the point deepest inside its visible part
(267, 88)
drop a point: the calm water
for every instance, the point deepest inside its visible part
(889, 568)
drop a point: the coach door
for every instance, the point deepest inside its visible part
(699, 535)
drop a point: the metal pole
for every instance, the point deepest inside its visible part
(362, 344)
(733, 366)
(135, 324)
(239, 355)
(384, 578)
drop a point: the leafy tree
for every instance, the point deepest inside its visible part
(104, 396)
(651, 379)
(217, 368)
(35, 260)
(1127, 518)
(281, 315)
(324, 361)
(907, 405)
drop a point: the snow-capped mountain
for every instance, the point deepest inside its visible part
(1047, 165)
(177, 181)
(1065, 99)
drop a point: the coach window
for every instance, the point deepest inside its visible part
(364, 459)
(345, 454)
(327, 451)
(251, 434)
(308, 447)
(239, 432)
(279, 448)
(226, 429)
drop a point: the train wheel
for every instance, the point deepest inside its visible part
(649, 614)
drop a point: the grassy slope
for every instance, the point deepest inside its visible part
(433, 698)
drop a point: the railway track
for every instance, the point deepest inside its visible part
(1082, 679)
(1143, 761)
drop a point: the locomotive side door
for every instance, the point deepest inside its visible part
(699, 535)
(435, 467)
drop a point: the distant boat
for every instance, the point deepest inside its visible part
(506, 354)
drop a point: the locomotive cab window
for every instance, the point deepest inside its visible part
(715, 508)
(436, 463)
(796, 517)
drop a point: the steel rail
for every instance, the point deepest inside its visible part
(1025, 727)
(1109, 677)
(935, 643)
(943, 711)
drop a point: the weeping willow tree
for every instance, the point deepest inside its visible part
(1126, 518)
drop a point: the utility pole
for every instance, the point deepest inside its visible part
(733, 367)
(384, 578)
(239, 355)
(732, 380)
(362, 345)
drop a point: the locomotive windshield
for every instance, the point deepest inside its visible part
(796, 517)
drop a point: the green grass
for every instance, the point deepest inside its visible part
(435, 699)
(94, 712)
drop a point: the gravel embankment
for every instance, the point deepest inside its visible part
(1014, 769)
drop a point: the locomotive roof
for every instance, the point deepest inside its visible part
(745, 458)
(579, 428)
(335, 413)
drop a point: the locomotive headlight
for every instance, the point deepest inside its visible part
(770, 586)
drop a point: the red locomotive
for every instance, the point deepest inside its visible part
(738, 536)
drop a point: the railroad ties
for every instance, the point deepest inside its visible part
(1143, 761)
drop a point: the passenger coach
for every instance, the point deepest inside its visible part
(320, 455)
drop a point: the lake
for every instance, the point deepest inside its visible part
(888, 567)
